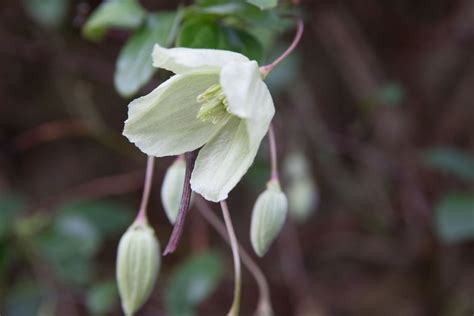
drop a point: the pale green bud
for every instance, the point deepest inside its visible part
(138, 262)
(268, 217)
(303, 194)
(172, 189)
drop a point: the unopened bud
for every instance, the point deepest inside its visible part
(172, 188)
(268, 217)
(138, 262)
(303, 194)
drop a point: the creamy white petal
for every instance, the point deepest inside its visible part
(248, 97)
(164, 123)
(180, 60)
(223, 161)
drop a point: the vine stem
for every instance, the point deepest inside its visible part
(234, 310)
(263, 288)
(265, 70)
(142, 213)
(273, 153)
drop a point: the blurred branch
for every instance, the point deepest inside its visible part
(94, 189)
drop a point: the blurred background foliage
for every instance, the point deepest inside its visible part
(374, 125)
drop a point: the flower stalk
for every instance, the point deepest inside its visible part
(265, 70)
(264, 303)
(273, 153)
(234, 310)
(184, 206)
(142, 212)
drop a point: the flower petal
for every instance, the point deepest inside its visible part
(248, 97)
(164, 123)
(223, 161)
(180, 60)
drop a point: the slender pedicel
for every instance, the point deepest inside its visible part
(234, 309)
(264, 304)
(142, 212)
(273, 153)
(184, 206)
(265, 70)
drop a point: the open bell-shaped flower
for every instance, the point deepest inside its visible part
(216, 100)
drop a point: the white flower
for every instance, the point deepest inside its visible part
(216, 100)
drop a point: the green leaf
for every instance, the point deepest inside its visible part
(450, 160)
(191, 283)
(108, 218)
(10, 205)
(454, 217)
(113, 13)
(134, 64)
(48, 13)
(23, 299)
(240, 41)
(264, 4)
(206, 33)
(8, 256)
(69, 246)
(199, 33)
(101, 297)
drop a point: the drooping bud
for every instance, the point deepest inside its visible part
(268, 217)
(303, 194)
(172, 188)
(138, 262)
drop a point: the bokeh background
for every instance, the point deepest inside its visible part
(376, 105)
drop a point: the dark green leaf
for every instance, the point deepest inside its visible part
(451, 161)
(264, 4)
(69, 246)
(113, 13)
(191, 283)
(108, 218)
(454, 217)
(23, 299)
(199, 33)
(101, 297)
(8, 255)
(47, 12)
(206, 33)
(242, 42)
(134, 64)
(10, 205)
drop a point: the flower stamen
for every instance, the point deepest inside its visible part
(214, 105)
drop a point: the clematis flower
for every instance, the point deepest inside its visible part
(216, 100)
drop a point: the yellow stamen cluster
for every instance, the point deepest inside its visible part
(214, 105)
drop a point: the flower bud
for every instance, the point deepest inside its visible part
(268, 217)
(138, 262)
(303, 195)
(172, 188)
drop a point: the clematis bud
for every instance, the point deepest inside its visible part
(138, 262)
(172, 188)
(303, 195)
(268, 217)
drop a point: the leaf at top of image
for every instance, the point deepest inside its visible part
(134, 65)
(206, 33)
(454, 217)
(191, 283)
(198, 33)
(126, 14)
(264, 4)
